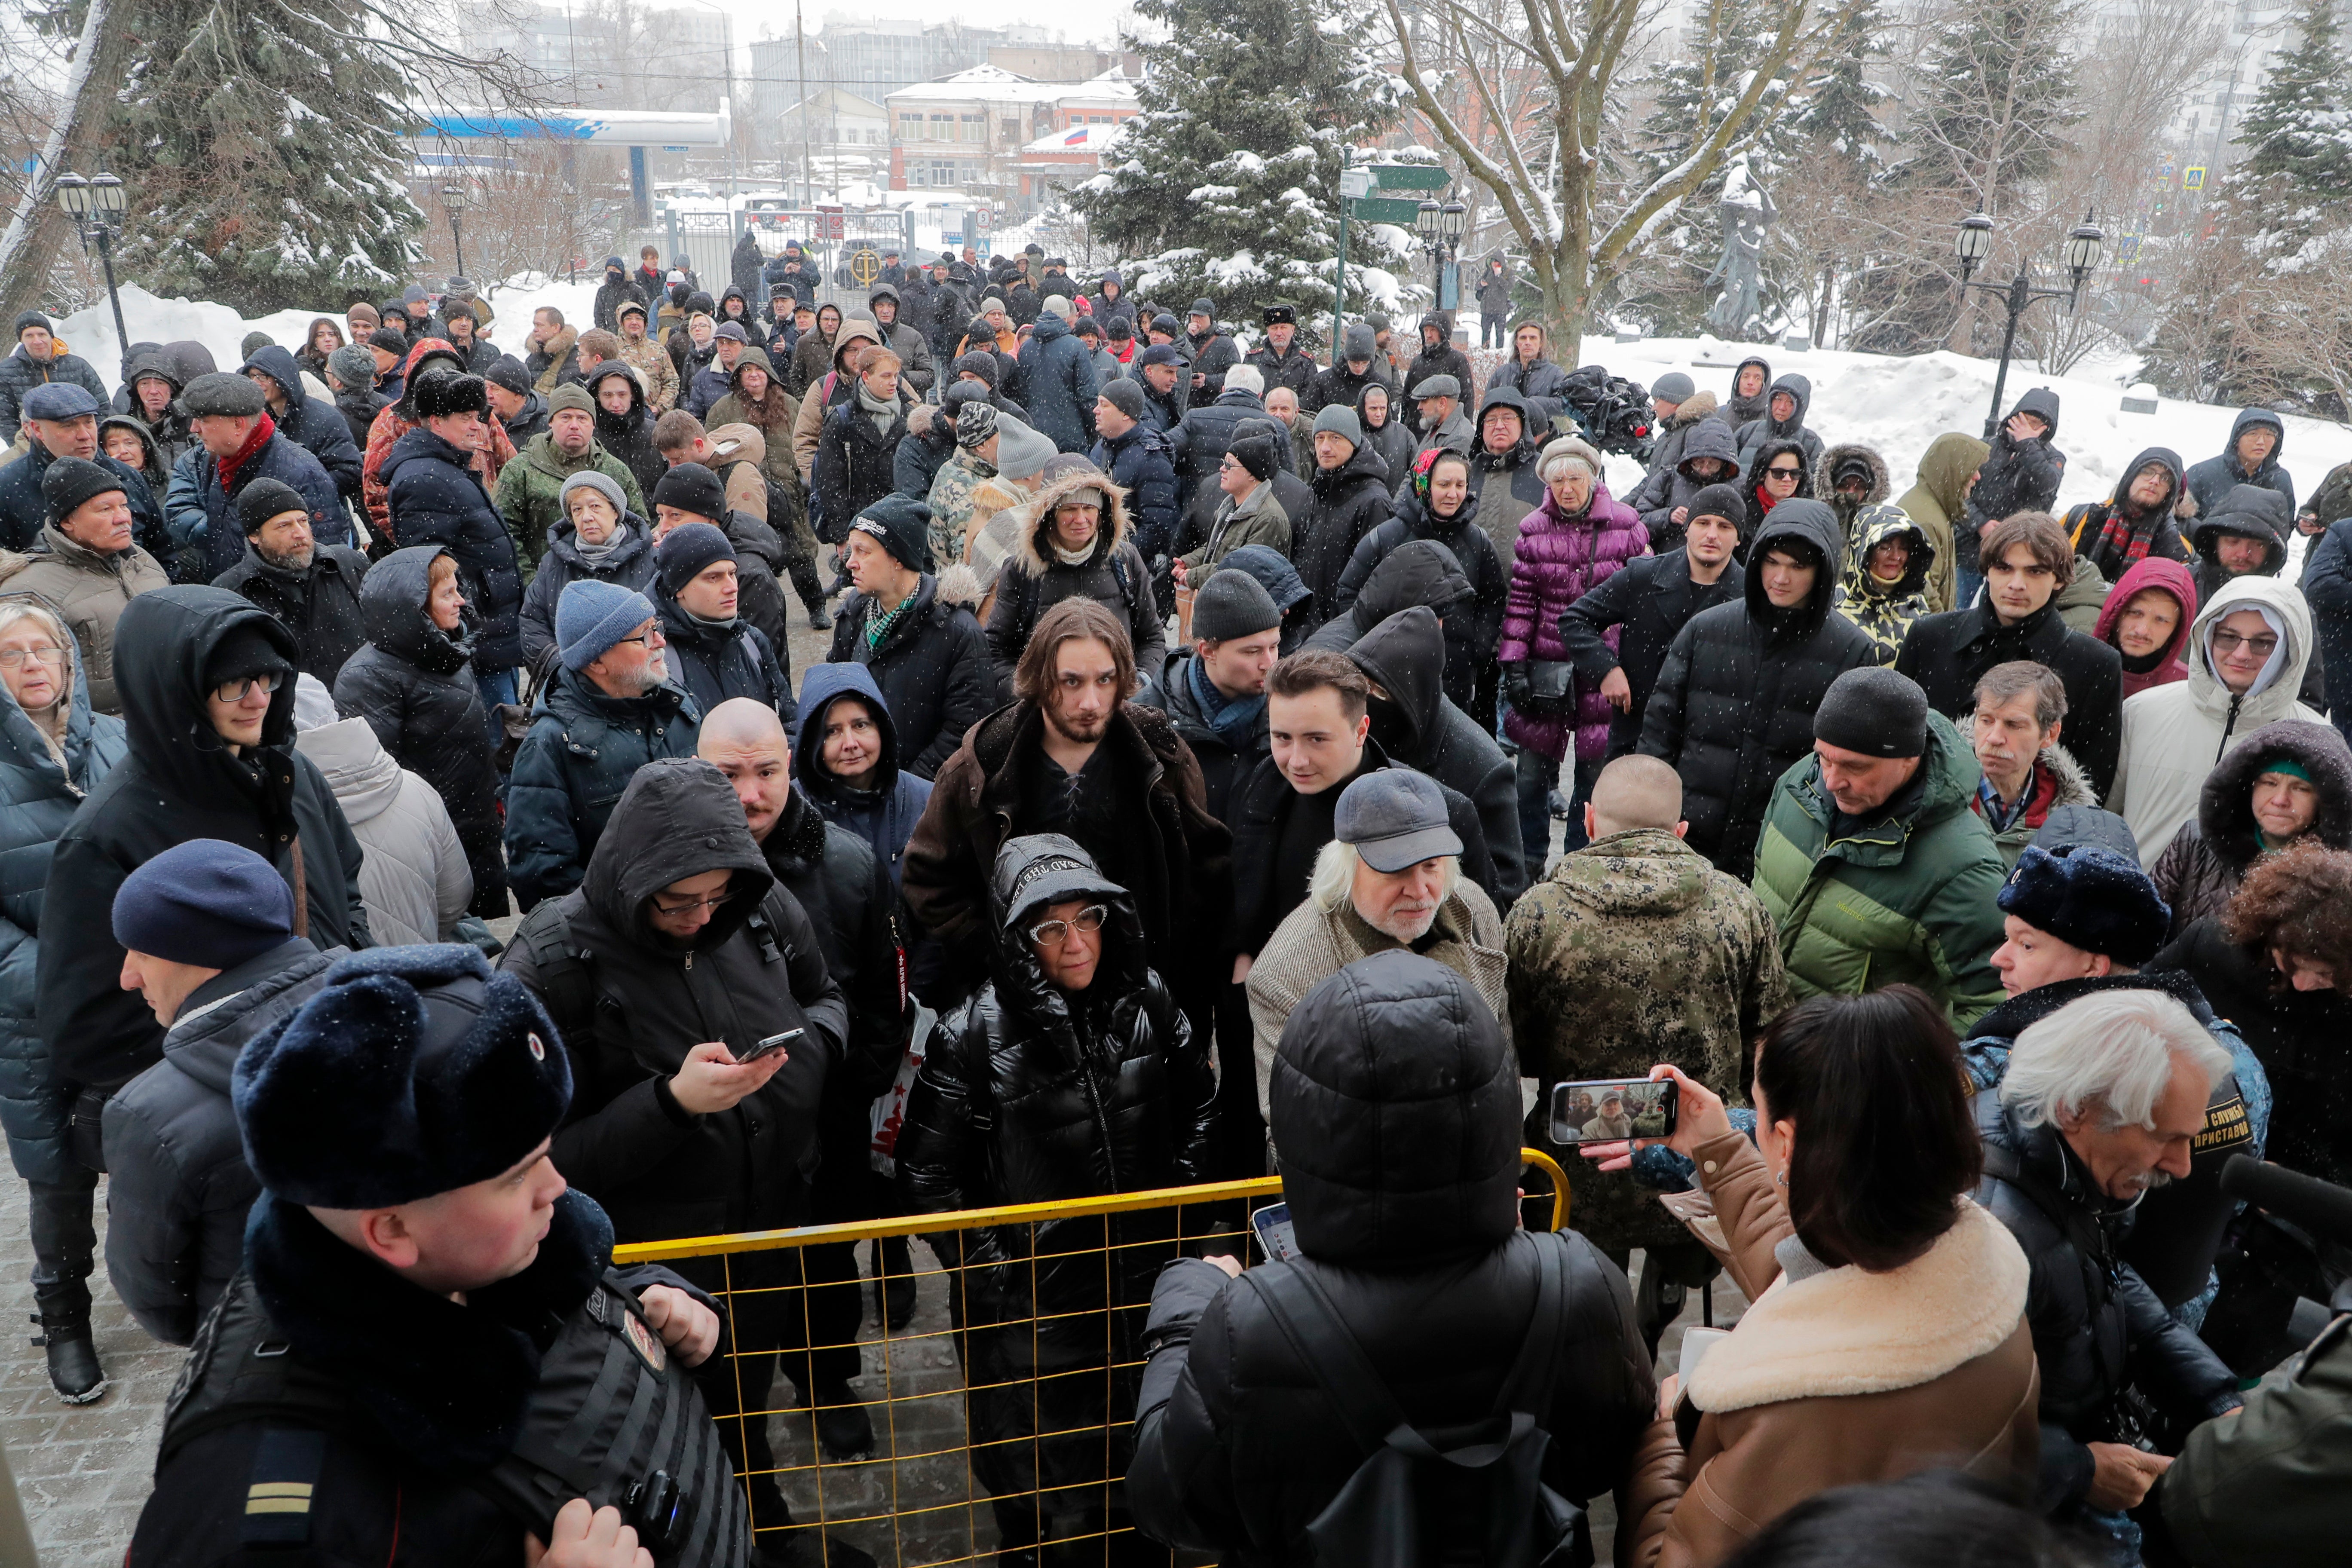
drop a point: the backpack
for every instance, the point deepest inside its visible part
(1462, 1498)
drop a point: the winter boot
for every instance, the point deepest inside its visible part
(843, 1427)
(894, 1283)
(812, 594)
(74, 1370)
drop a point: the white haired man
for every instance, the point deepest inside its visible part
(2103, 1100)
(1390, 878)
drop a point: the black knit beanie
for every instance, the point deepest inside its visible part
(1876, 711)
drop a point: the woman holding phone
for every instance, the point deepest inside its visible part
(1886, 1334)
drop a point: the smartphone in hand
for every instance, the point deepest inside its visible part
(1610, 1110)
(768, 1047)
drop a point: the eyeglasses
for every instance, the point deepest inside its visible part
(14, 657)
(2229, 642)
(691, 905)
(1780, 473)
(234, 690)
(1050, 933)
(650, 637)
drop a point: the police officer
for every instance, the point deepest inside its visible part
(1279, 358)
(427, 1318)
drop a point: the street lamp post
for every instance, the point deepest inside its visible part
(1973, 243)
(96, 205)
(453, 201)
(1440, 230)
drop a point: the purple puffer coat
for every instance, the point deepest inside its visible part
(1559, 561)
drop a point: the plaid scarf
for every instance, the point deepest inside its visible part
(878, 621)
(2130, 538)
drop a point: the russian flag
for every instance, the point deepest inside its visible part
(1074, 137)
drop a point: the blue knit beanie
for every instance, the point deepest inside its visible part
(205, 902)
(592, 615)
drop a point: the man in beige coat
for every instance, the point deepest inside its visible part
(86, 569)
(1390, 878)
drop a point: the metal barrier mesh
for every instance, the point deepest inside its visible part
(1001, 1412)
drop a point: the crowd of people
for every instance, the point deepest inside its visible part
(1224, 764)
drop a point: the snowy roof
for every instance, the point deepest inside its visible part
(1093, 139)
(993, 84)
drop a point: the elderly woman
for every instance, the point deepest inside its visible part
(1071, 1074)
(597, 536)
(53, 751)
(1576, 539)
(2288, 781)
(1887, 1331)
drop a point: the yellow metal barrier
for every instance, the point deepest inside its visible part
(1001, 1412)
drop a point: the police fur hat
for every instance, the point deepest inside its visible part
(415, 1071)
(1277, 314)
(2092, 898)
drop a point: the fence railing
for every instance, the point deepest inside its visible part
(999, 1410)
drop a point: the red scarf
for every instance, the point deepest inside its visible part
(231, 466)
(2132, 538)
(1765, 499)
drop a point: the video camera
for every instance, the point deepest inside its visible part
(2320, 1211)
(1614, 413)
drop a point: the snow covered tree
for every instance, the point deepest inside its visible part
(1227, 183)
(261, 144)
(2298, 129)
(1997, 97)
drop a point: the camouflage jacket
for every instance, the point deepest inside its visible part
(652, 363)
(1633, 952)
(953, 491)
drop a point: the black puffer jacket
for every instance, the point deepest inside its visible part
(856, 466)
(179, 784)
(2166, 528)
(1143, 463)
(1666, 491)
(1032, 1094)
(438, 500)
(2096, 1325)
(1443, 359)
(574, 763)
(1417, 572)
(1472, 630)
(319, 606)
(1948, 654)
(414, 683)
(1412, 1237)
(177, 1184)
(2021, 475)
(2248, 512)
(2212, 479)
(1752, 436)
(1421, 727)
(1733, 707)
(717, 663)
(630, 1003)
(1207, 433)
(933, 665)
(1649, 602)
(1350, 500)
(630, 563)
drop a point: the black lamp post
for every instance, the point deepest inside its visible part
(1973, 243)
(453, 201)
(96, 205)
(1440, 230)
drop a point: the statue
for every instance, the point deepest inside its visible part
(1747, 210)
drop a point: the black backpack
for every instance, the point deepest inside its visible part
(1468, 1497)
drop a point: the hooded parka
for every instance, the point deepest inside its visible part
(1669, 489)
(2207, 859)
(2247, 512)
(438, 500)
(2021, 475)
(1884, 610)
(2212, 481)
(1396, 1100)
(180, 781)
(1472, 628)
(2167, 664)
(1733, 707)
(2173, 735)
(1940, 500)
(1036, 578)
(579, 755)
(2110, 532)
(884, 815)
(1752, 436)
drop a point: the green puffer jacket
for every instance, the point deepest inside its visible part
(530, 492)
(1908, 899)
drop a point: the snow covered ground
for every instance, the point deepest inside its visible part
(1897, 406)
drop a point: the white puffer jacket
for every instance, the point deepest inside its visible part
(2174, 735)
(414, 881)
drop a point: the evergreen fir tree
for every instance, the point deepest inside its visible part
(2299, 128)
(1227, 183)
(262, 150)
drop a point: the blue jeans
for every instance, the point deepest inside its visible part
(495, 685)
(1537, 776)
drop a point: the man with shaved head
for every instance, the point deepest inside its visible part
(833, 875)
(1636, 950)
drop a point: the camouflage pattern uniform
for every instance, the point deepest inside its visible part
(953, 493)
(1633, 952)
(652, 363)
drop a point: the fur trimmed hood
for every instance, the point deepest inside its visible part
(1038, 515)
(1699, 405)
(1848, 1332)
(2225, 817)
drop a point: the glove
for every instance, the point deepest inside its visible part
(1516, 688)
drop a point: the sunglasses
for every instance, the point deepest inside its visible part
(1780, 473)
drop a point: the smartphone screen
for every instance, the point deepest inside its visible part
(1275, 1234)
(1605, 1110)
(773, 1043)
